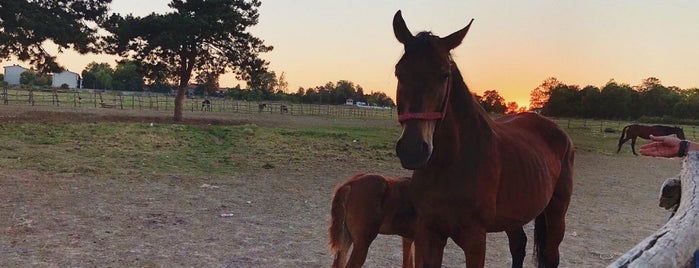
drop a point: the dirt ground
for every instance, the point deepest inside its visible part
(280, 217)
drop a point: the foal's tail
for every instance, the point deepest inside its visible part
(340, 239)
(621, 140)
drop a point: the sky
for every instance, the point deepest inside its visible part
(512, 46)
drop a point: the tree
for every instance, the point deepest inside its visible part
(97, 75)
(513, 108)
(27, 24)
(127, 76)
(617, 101)
(492, 102)
(540, 95)
(590, 102)
(564, 100)
(202, 38)
(32, 78)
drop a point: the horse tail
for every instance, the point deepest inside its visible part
(621, 140)
(340, 239)
(540, 239)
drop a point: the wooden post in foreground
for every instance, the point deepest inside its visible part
(674, 244)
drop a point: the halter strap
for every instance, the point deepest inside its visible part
(430, 115)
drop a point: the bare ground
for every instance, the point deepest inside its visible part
(280, 217)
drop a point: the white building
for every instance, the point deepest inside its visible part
(12, 74)
(66, 77)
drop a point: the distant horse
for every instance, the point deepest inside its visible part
(283, 108)
(261, 107)
(367, 205)
(631, 132)
(472, 174)
(206, 105)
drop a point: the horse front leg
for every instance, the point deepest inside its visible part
(633, 146)
(408, 253)
(429, 248)
(473, 245)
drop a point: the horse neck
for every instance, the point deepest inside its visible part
(466, 124)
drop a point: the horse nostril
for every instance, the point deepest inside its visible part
(425, 148)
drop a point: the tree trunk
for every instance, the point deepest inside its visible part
(674, 244)
(179, 100)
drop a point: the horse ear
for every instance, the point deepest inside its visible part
(454, 40)
(400, 29)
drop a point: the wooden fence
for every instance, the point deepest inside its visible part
(674, 244)
(155, 101)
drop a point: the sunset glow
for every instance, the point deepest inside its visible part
(511, 47)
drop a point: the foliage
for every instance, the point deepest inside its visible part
(128, 76)
(492, 102)
(621, 101)
(27, 24)
(540, 95)
(97, 75)
(32, 78)
(205, 38)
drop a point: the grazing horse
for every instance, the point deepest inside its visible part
(206, 105)
(261, 107)
(472, 174)
(365, 206)
(631, 132)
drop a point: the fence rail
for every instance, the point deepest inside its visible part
(674, 244)
(155, 101)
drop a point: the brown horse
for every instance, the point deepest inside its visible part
(472, 174)
(631, 132)
(365, 206)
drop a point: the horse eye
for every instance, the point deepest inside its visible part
(445, 76)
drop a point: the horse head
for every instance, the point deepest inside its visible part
(680, 133)
(424, 80)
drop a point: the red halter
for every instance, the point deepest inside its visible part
(430, 115)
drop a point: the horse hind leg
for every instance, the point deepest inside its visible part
(549, 226)
(341, 255)
(633, 146)
(360, 251)
(621, 142)
(518, 246)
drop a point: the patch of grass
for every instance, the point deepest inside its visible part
(104, 149)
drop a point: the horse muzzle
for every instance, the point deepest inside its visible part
(414, 147)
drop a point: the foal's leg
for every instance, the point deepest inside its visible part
(518, 246)
(359, 251)
(341, 255)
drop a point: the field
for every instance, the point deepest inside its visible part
(92, 187)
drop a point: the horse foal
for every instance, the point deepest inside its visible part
(363, 207)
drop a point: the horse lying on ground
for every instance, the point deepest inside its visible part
(363, 207)
(631, 132)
